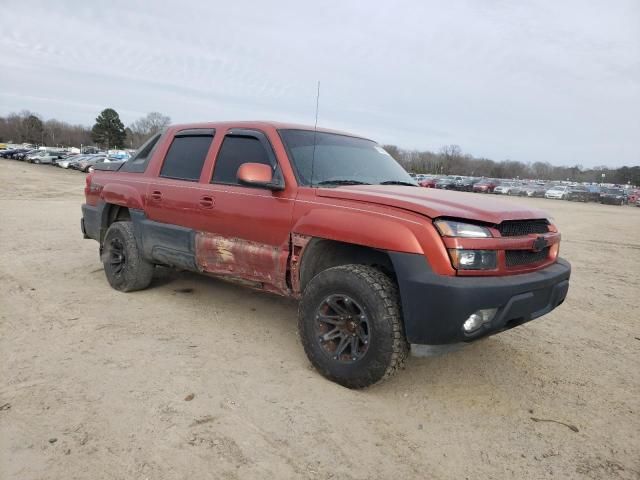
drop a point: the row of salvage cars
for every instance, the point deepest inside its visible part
(61, 158)
(611, 195)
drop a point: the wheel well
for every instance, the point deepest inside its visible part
(114, 213)
(321, 254)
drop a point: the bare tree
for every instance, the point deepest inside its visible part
(143, 128)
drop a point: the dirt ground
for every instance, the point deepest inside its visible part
(198, 378)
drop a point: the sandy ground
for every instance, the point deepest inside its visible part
(96, 384)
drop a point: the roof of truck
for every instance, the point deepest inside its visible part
(260, 124)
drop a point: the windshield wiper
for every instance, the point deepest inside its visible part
(342, 182)
(398, 182)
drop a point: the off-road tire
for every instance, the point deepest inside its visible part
(134, 273)
(378, 295)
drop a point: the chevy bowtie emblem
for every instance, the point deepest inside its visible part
(539, 244)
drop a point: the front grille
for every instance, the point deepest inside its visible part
(516, 258)
(516, 228)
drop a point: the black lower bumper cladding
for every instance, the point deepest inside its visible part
(436, 306)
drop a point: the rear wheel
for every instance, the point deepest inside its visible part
(351, 327)
(124, 266)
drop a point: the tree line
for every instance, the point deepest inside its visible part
(450, 160)
(108, 130)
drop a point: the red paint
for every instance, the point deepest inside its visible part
(258, 234)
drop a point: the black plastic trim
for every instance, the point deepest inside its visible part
(164, 243)
(196, 132)
(91, 223)
(435, 306)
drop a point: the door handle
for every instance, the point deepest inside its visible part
(206, 202)
(156, 195)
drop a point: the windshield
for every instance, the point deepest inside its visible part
(340, 160)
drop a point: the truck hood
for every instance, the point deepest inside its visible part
(435, 203)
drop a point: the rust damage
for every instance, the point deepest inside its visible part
(298, 244)
(240, 258)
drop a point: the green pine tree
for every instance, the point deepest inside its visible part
(108, 130)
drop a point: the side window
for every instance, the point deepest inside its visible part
(139, 161)
(185, 157)
(235, 151)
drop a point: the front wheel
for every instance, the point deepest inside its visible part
(351, 327)
(124, 265)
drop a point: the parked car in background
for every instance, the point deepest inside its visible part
(634, 196)
(578, 194)
(7, 153)
(109, 164)
(428, 182)
(64, 156)
(614, 196)
(68, 161)
(18, 151)
(594, 193)
(446, 183)
(533, 190)
(485, 186)
(44, 156)
(25, 153)
(559, 192)
(466, 184)
(89, 161)
(505, 188)
(518, 190)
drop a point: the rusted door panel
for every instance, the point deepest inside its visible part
(241, 258)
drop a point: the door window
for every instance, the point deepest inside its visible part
(186, 157)
(235, 151)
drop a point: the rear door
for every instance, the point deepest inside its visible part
(175, 199)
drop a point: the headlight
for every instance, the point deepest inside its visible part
(473, 259)
(451, 228)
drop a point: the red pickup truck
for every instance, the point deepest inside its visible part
(330, 218)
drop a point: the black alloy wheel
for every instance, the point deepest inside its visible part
(342, 328)
(117, 256)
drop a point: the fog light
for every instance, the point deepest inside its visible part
(478, 319)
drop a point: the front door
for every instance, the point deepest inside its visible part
(246, 233)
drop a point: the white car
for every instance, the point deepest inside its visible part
(44, 157)
(558, 193)
(504, 188)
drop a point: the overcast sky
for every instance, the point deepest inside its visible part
(555, 81)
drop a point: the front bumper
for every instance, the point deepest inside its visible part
(435, 306)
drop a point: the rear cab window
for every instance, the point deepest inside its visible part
(187, 154)
(139, 161)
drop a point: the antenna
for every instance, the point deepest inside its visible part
(315, 131)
